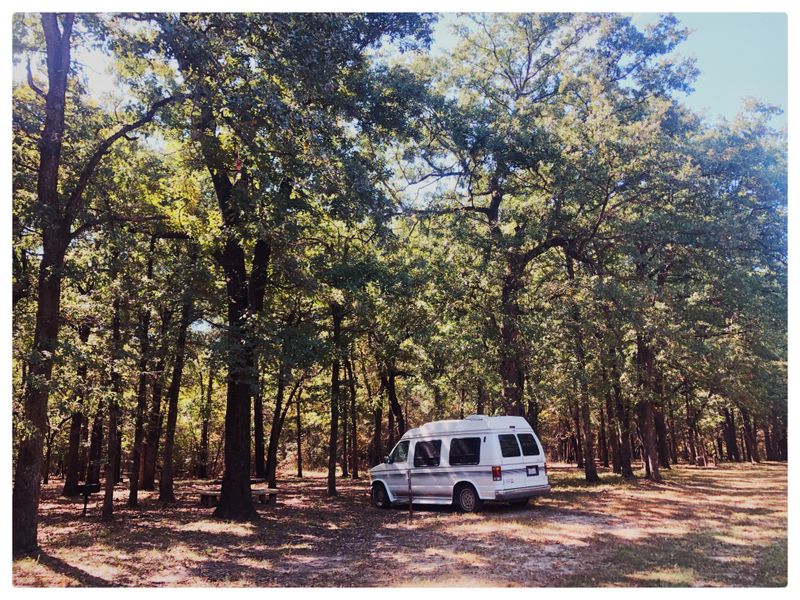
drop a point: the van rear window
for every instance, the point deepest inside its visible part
(465, 451)
(426, 454)
(529, 445)
(508, 445)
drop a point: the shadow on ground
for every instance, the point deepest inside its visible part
(721, 526)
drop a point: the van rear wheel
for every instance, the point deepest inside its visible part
(467, 499)
(380, 498)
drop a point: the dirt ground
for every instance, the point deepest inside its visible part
(724, 526)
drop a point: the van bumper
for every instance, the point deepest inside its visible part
(522, 493)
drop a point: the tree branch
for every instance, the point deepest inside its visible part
(88, 171)
(31, 83)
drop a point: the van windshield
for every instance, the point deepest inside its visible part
(400, 454)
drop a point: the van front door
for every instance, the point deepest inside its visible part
(396, 470)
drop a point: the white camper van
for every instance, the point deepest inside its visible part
(464, 462)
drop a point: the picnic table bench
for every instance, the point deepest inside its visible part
(265, 495)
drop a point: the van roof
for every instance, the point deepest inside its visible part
(471, 423)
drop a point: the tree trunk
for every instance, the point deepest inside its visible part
(344, 419)
(645, 407)
(275, 428)
(750, 436)
(661, 437)
(83, 459)
(622, 419)
(768, 442)
(611, 429)
(351, 376)
(730, 436)
(118, 454)
(603, 438)
(258, 432)
(672, 437)
(72, 474)
(202, 462)
(152, 434)
(690, 426)
(298, 435)
(166, 492)
(512, 371)
(113, 410)
(337, 314)
(390, 426)
(481, 401)
(375, 447)
(96, 446)
(394, 404)
(141, 391)
(55, 240)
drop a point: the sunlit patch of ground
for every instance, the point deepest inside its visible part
(722, 526)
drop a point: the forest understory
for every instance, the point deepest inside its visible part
(715, 526)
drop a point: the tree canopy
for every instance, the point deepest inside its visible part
(313, 216)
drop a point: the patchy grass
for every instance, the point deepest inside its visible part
(722, 526)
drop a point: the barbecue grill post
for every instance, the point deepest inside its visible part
(85, 502)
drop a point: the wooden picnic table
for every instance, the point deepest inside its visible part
(209, 497)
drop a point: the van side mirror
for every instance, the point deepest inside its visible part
(386, 459)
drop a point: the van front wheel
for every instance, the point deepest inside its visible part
(467, 498)
(380, 498)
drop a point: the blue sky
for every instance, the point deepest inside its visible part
(738, 55)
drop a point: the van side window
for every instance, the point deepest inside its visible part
(400, 454)
(427, 454)
(529, 446)
(508, 445)
(465, 451)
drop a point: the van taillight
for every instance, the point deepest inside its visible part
(545, 468)
(497, 474)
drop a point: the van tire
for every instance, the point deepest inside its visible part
(466, 498)
(380, 498)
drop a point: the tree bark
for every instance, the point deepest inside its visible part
(750, 436)
(298, 435)
(394, 404)
(96, 446)
(113, 411)
(337, 314)
(202, 462)
(143, 332)
(512, 361)
(72, 474)
(55, 239)
(661, 437)
(768, 442)
(258, 432)
(275, 428)
(166, 492)
(732, 447)
(351, 376)
(603, 439)
(83, 456)
(344, 411)
(645, 408)
(152, 434)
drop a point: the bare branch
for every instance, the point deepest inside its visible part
(32, 84)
